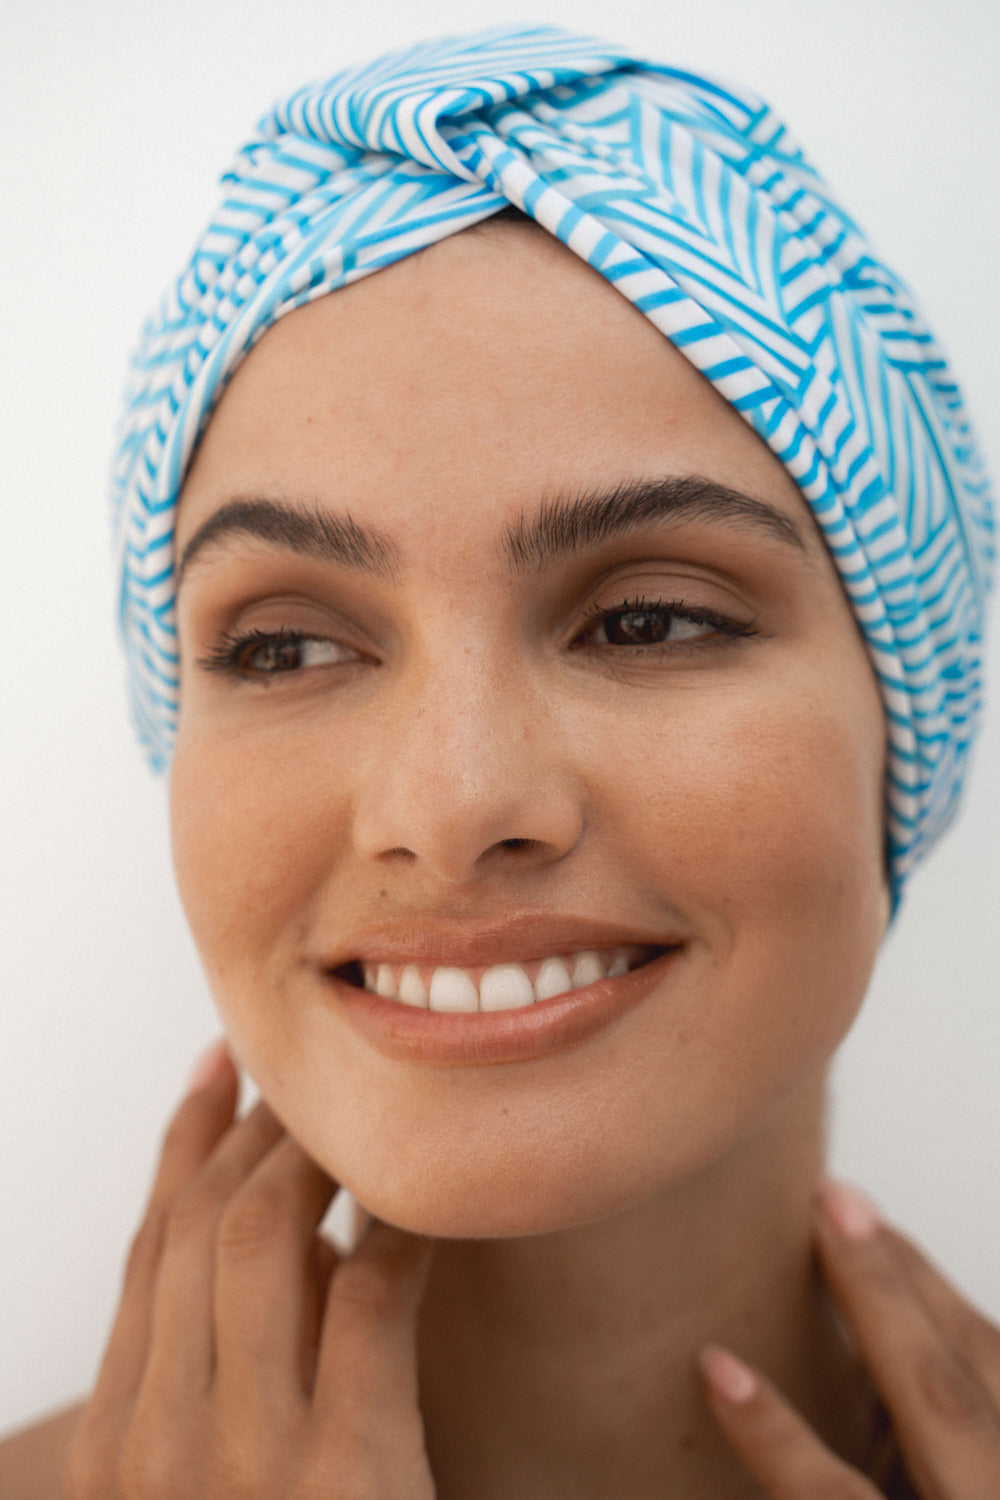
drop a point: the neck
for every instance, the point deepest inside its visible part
(563, 1365)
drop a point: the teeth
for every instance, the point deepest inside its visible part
(452, 989)
(553, 979)
(506, 986)
(587, 969)
(411, 987)
(385, 984)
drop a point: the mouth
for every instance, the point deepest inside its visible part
(511, 1012)
(448, 989)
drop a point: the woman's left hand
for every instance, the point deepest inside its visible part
(934, 1359)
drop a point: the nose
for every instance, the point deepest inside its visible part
(465, 774)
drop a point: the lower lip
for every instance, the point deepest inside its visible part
(484, 1038)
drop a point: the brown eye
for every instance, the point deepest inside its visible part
(649, 627)
(650, 624)
(280, 654)
(264, 654)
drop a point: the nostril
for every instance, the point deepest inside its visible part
(516, 843)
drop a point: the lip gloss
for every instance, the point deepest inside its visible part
(414, 1034)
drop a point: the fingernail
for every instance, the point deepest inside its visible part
(210, 1065)
(849, 1211)
(730, 1377)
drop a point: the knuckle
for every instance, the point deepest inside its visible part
(243, 1464)
(187, 1216)
(882, 1273)
(949, 1390)
(234, 1474)
(254, 1220)
(86, 1468)
(356, 1477)
(363, 1288)
(147, 1467)
(358, 1393)
(83, 1478)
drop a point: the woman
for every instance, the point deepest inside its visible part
(555, 711)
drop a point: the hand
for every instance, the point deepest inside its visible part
(246, 1360)
(934, 1359)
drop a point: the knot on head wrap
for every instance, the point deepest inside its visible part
(692, 199)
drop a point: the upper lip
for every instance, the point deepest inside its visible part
(510, 939)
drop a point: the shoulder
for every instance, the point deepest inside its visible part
(31, 1460)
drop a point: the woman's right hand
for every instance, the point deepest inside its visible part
(246, 1359)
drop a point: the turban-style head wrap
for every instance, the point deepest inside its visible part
(694, 200)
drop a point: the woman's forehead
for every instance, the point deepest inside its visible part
(496, 370)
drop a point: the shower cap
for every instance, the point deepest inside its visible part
(694, 200)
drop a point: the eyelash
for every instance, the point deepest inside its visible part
(671, 609)
(226, 656)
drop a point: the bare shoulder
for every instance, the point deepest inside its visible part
(31, 1460)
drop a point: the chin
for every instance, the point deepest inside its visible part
(479, 1212)
(521, 1190)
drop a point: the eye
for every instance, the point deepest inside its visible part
(658, 624)
(263, 654)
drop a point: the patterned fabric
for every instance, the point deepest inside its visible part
(694, 200)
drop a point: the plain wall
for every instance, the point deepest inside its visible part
(116, 119)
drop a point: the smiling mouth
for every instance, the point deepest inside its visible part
(499, 987)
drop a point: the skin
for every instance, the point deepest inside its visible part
(562, 1235)
(729, 792)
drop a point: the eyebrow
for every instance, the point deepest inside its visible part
(564, 526)
(305, 529)
(560, 527)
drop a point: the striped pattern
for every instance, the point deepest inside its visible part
(696, 202)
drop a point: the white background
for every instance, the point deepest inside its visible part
(115, 117)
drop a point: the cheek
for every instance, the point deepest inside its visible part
(253, 837)
(768, 824)
(767, 799)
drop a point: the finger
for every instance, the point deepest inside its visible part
(774, 1442)
(268, 1295)
(324, 1260)
(367, 1355)
(944, 1417)
(182, 1345)
(201, 1119)
(972, 1334)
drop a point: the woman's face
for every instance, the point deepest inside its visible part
(469, 678)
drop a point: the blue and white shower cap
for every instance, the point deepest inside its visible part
(695, 201)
